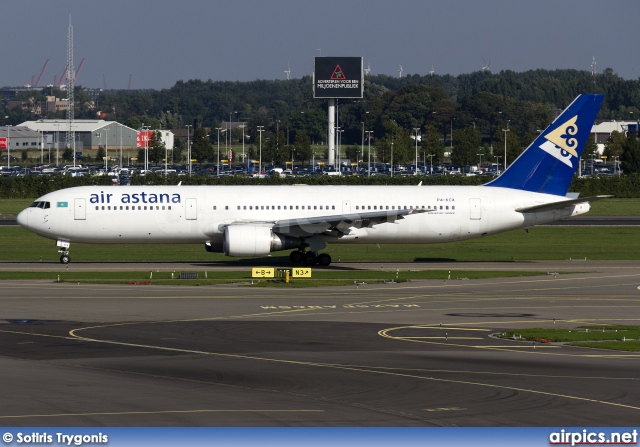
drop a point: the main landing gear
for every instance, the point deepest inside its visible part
(310, 258)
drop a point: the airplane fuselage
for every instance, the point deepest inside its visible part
(198, 214)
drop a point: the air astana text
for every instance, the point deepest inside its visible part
(141, 197)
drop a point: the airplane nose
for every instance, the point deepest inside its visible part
(23, 219)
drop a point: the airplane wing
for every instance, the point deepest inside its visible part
(339, 222)
(558, 205)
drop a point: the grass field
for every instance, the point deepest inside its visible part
(319, 277)
(622, 338)
(540, 243)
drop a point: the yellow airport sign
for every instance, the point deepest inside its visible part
(302, 272)
(262, 272)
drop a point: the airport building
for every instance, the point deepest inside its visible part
(20, 138)
(89, 134)
(601, 132)
(92, 134)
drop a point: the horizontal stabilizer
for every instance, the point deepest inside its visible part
(558, 205)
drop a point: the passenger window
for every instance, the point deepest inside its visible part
(226, 207)
(214, 207)
(333, 207)
(97, 208)
(453, 207)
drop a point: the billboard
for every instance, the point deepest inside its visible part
(338, 77)
(142, 136)
(3, 143)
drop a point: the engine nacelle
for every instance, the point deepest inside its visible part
(255, 240)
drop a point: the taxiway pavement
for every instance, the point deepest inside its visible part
(420, 353)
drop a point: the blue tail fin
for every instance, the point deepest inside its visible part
(548, 164)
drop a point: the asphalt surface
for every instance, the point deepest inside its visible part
(409, 354)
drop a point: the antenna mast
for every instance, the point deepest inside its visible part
(71, 77)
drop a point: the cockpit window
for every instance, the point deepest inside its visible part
(43, 205)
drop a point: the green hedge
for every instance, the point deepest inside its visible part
(627, 186)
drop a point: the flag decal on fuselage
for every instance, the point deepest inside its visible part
(561, 142)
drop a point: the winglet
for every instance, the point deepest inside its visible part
(549, 163)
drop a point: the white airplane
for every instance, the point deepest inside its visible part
(257, 220)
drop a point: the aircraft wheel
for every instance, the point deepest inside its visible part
(296, 256)
(324, 259)
(65, 259)
(310, 258)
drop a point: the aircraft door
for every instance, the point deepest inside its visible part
(191, 211)
(475, 209)
(79, 209)
(346, 207)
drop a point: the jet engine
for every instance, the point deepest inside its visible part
(255, 240)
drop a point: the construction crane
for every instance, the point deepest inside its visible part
(41, 73)
(78, 70)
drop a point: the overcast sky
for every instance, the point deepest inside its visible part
(159, 42)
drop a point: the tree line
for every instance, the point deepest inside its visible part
(467, 115)
(627, 186)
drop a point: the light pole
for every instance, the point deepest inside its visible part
(243, 158)
(189, 147)
(451, 140)
(430, 163)
(120, 127)
(362, 144)
(230, 140)
(498, 157)
(57, 143)
(369, 132)
(505, 144)
(261, 129)
(106, 150)
(218, 167)
(336, 165)
(416, 129)
(616, 165)
(391, 155)
(480, 165)
(145, 135)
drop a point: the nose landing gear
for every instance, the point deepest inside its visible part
(63, 249)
